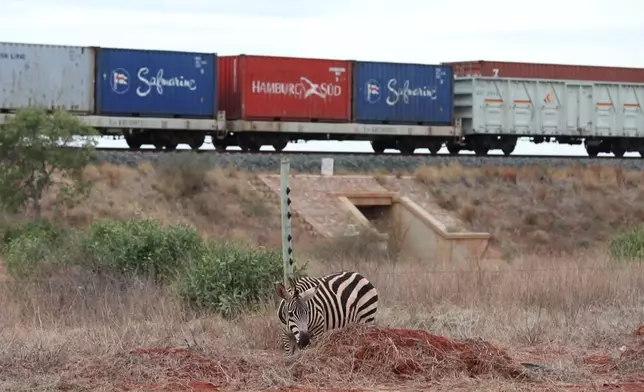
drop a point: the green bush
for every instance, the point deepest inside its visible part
(628, 245)
(231, 278)
(30, 247)
(141, 247)
(26, 254)
(224, 277)
(49, 231)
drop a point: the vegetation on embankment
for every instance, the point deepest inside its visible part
(542, 210)
(207, 275)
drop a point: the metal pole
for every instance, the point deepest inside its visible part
(287, 236)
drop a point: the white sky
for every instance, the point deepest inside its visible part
(429, 31)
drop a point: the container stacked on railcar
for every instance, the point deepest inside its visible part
(263, 90)
(403, 94)
(285, 88)
(397, 93)
(51, 76)
(156, 83)
(509, 69)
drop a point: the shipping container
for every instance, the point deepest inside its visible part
(51, 76)
(396, 93)
(506, 69)
(502, 106)
(156, 83)
(285, 88)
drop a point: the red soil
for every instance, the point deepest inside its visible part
(385, 357)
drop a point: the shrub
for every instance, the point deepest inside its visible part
(141, 247)
(49, 231)
(231, 278)
(628, 245)
(29, 247)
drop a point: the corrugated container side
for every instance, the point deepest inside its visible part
(506, 69)
(396, 93)
(156, 83)
(229, 91)
(285, 88)
(552, 107)
(51, 76)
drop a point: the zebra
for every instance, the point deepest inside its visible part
(313, 305)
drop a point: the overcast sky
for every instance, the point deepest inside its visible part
(429, 31)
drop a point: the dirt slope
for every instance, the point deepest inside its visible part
(540, 209)
(526, 209)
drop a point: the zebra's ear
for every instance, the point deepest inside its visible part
(281, 292)
(308, 294)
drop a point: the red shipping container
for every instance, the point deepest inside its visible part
(265, 88)
(506, 69)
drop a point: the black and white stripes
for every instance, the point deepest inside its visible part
(311, 306)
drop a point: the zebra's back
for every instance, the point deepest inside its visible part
(342, 299)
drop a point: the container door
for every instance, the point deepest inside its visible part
(522, 107)
(605, 109)
(552, 96)
(631, 98)
(573, 109)
(491, 107)
(586, 108)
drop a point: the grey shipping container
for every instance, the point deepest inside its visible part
(52, 76)
(543, 107)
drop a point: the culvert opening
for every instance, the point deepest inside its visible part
(379, 216)
(378, 211)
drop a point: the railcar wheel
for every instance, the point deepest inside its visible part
(171, 146)
(197, 142)
(255, 147)
(220, 147)
(592, 151)
(618, 150)
(280, 145)
(132, 142)
(453, 148)
(481, 151)
(434, 148)
(508, 150)
(407, 150)
(378, 147)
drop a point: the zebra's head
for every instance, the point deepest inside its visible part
(297, 310)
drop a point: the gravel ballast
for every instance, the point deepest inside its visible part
(393, 163)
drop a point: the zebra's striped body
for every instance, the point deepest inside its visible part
(311, 306)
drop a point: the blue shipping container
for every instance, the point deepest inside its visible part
(156, 83)
(392, 93)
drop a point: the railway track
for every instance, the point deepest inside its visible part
(366, 153)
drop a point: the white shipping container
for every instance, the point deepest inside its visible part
(52, 76)
(522, 107)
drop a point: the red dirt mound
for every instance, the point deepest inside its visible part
(640, 331)
(390, 355)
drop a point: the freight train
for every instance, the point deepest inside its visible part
(165, 98)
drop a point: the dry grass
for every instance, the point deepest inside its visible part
(540, 210)
(219, 202)
(79, 333)
(570, 313)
